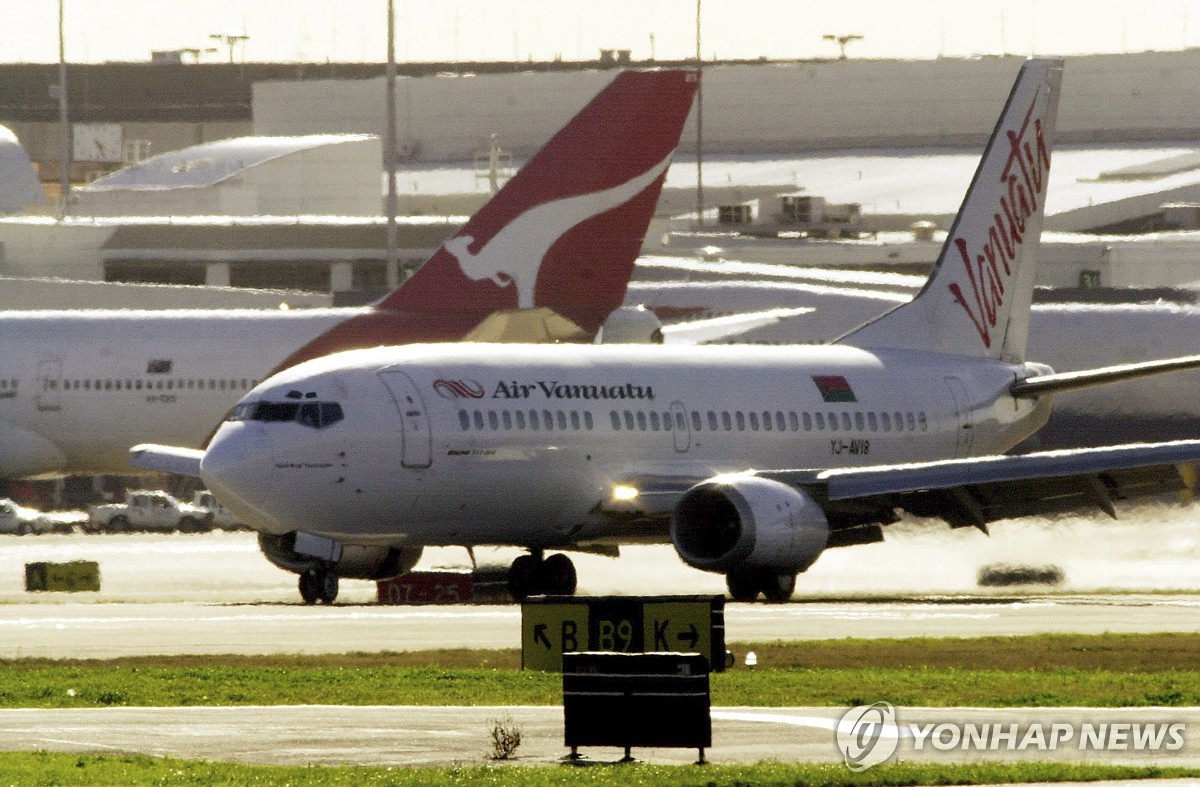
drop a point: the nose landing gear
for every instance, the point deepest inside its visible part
(746, 584)
(319, 584)
(531, 575)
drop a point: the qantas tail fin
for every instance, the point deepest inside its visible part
(564, 232)
(977, 299)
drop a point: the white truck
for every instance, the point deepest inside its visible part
(222, 517)
(147, 510)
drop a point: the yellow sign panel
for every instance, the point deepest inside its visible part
(682, 626)
(548, 631)
(76, 576)
(552, 626)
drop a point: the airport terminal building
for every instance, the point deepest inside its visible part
(291, 160)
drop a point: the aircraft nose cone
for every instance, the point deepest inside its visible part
(238, 468)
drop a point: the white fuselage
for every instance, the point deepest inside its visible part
(77, 389)
(450, 444)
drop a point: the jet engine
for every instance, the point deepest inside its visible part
(631, 325)
(738, 523)
(353, 562)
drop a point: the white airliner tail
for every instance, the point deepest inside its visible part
(977, 300)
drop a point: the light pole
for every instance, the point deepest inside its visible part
(65, 162)
(699, 127)
(230, 40)
(841, 41)
(390, 273)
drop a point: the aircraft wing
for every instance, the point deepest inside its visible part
(974, 492)
(961, 492)
(167, 458)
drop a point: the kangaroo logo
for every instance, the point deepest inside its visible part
(514, 255)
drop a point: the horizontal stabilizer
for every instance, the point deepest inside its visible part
(726, 328)
(1070, 381)
(167, 459)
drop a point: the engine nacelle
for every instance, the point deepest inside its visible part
(743, 521)
(631, 325)
(351, 561)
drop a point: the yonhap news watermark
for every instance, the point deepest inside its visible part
(868, 735)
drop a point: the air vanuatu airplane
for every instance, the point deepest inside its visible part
(750, 460)
(78, 388)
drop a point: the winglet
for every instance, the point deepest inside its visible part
(977, 299)
(564, 232)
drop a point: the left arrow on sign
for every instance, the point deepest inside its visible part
(539, 635)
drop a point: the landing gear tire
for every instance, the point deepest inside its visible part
(558, 576)
(523, 577)
(778, 588)
(318, 585)
(743, 584)
(529, 575)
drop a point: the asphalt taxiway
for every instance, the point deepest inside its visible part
(407, 735)
(216, 593)
(113, 630)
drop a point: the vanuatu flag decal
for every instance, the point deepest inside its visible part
(834, 388)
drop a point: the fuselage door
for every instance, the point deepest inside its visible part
(682, 430)
(417, 440)
(49, 382)
(965, 435)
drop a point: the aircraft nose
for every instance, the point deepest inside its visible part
(238, 468)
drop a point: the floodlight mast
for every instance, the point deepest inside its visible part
(842, 41)
(231, 40)
(699, 126)
(391, 274)
(64, 176)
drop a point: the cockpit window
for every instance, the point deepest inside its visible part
(317, 415)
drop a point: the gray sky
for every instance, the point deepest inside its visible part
(354, 30)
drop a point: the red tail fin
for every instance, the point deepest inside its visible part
(565, 231)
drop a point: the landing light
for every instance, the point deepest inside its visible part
(624, 492)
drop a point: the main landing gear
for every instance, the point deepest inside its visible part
(531, 575)
(319, 584)
(745, 584)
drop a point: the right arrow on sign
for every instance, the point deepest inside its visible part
(690, 637)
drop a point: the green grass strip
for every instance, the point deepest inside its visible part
(78, 687)
(44, 768)
(1094, 671)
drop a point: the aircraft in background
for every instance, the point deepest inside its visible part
(557, 243)
(361, 459)
(1068, 330)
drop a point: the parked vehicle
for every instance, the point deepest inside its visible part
(19, 520)
(222, 517)
(148, 510)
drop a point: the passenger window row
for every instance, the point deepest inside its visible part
(722, 421)
(771, 421)
(533, 420)
(242, 384)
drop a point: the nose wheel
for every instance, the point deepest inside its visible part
(318, 585)
(530, 575)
